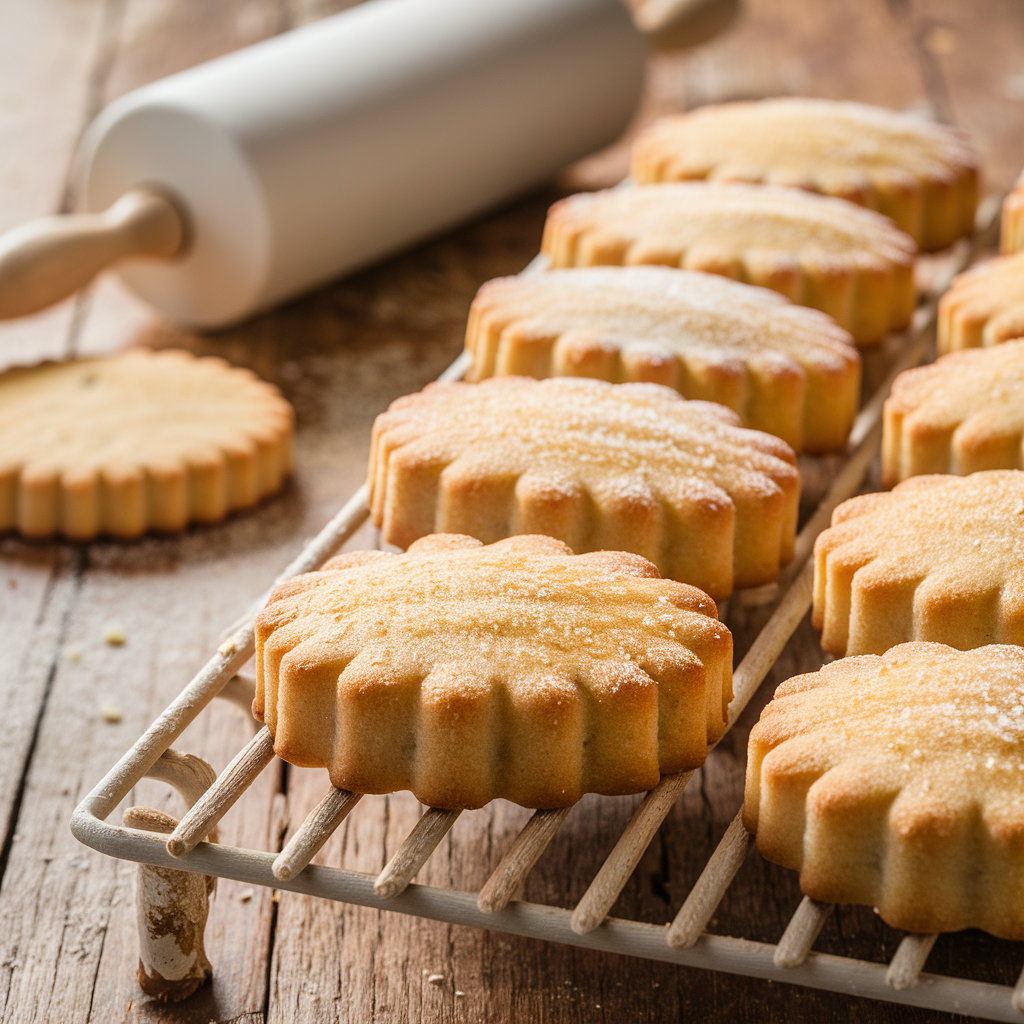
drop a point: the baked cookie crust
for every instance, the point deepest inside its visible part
(851, 263)
(466, 673)
(984, 306)
(894, 782)
(630, 467)
(938, 558)
(960, 415)
(786, 369)
(139, 441)
(1011, 226)
(922, 175)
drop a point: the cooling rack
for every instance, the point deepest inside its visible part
(495, 906)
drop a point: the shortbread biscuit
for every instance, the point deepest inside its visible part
(786, 369)
(922, 175)
(937, 558)
(602, 467)
(960, 415)
(1011, 228)
(466, 673)
(895, 782)
(853, 264)
(984, 305)
(140, 441)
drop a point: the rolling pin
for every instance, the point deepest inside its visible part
(245, 181)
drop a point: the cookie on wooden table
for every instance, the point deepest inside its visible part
(984, 305)
(922, 175)
(894, 781)
(937, 558)
(139, 441)
(630, 467)
(786, 369)
(1011, 227)
(466, 673)
(853, 264)
(961, 414)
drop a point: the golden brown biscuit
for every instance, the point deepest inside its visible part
(962, 414)
(937, 558)
(785, 369)
(466, 673)
(1011, 228)
(922, 175)
(984, 306)
(627, 467)
(894, 782)
(140, 441)
(853, 264)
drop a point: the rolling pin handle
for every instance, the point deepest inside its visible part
(46, 260)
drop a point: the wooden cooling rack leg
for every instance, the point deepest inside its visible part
(501, 888)
(218, 799)
(314, 832)
(419, 844)
(714, 880)
(171, 908)
(611, 879)
(800, 933)
(908, 962)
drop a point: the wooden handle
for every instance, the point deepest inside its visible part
(679, 24)
(46, 260)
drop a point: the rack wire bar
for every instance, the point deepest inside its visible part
(418, 845)
(318, 827)
(714, 880)
(908, 961)
(610, 880)
(633, 938)
(804, 927)
(221, 796)
(496, 907)
(508, 877)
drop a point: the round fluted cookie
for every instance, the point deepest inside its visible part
(466, 673)
(602, 467)
(851, 263)
(961, 414)
(984, 305)
(139, 441)
(922, 175)
(1011, 227)
(786, 369)
(937, 558)
(894, 782)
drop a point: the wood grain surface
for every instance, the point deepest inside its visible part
(67, 932)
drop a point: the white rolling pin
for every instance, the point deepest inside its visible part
(319, 151)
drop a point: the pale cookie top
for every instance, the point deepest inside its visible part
(945, 727)
(600, 434)
(523, 607)
(984, 305)
(136, 409)
(668, 219)
(805, 142)
(983, 389)
(662, 309)
(964, 533)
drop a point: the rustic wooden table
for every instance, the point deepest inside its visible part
(67, 930)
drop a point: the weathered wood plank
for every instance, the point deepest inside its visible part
(70, 952)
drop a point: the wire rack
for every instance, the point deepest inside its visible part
(495, 906)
